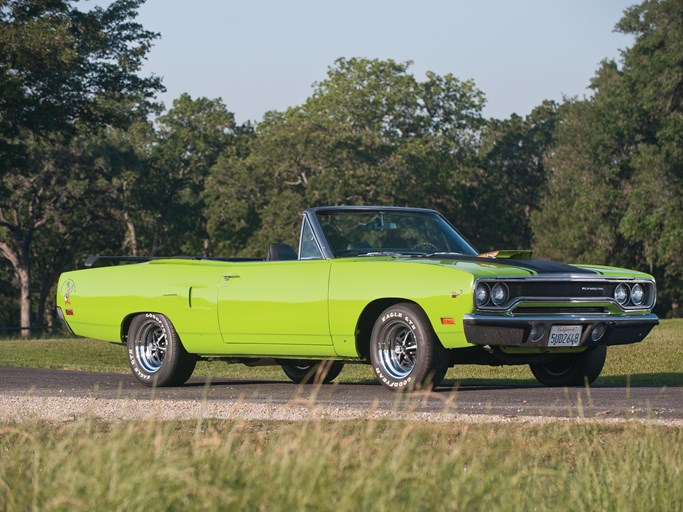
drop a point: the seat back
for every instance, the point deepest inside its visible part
(281, 252)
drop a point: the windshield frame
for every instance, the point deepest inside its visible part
(311, 215)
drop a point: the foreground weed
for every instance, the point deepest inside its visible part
(319, 465)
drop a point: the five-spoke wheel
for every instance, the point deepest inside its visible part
(404, 351)
(155, 354)
(397, 350)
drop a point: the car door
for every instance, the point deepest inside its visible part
(275, 303)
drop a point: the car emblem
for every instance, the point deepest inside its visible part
(68, 288)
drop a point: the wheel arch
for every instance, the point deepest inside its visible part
(367, 319)
(128, 319)
(125, 325)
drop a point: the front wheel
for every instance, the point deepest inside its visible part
(155, 354)
(404, 351)
(305, 372)
(571, 369)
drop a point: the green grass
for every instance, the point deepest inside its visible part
(318, 465)
(657, 361)
(313, 465)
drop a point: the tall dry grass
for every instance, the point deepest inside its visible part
(348, 465)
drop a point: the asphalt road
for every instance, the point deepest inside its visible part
(513, 401)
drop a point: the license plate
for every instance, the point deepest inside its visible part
(564, 336)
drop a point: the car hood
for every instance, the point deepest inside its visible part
(530, 266)
(490, 267)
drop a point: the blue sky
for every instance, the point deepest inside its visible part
(262, 55)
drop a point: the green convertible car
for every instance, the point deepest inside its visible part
(397, 288)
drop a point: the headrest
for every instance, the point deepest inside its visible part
(281, 252)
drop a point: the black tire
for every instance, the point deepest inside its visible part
(312, 372)
(404, 351)
(155, 354)
(571, 369)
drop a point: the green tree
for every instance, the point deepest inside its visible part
(513, 154)
(614, 189)
(62, 71)
(371, 133)
(189, 139)
(653, 70)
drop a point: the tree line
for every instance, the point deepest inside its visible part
(92, 164)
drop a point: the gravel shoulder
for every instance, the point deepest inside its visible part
(33, 408)
(30, 394)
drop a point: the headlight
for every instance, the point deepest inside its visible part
(621, 294)
(481, 295)
(637, 295)
(499, 294)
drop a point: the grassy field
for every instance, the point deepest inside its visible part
(657, 361)
(371, 465)
(359, 465)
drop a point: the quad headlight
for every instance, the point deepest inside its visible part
(499, 294)
(491, 295)
(637, 295)
(631, 295)
(621, 293)
(481, 294)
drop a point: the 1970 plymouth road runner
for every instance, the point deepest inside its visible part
(397, 288)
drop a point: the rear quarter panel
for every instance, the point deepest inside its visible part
(97, 301)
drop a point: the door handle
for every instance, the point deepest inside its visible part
(228, 277)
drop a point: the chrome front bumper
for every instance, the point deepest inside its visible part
(517, 331)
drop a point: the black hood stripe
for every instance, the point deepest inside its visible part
(537, 266)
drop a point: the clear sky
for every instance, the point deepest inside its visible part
(263, 55)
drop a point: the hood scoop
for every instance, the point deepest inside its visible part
(507, 255)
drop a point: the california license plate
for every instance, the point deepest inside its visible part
(564, 336)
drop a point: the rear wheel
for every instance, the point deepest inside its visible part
(155, 354)
(307, 372)
(571, 369)
(404, 351)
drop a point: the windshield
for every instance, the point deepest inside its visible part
(356, 233)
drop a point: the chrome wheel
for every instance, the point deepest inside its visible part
(397, 350)
(155, 353)
(150, 346)
(404, 351)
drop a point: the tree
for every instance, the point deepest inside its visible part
(189, 139)
(62, 71)
(615, 185)
(653, 69)
(513, 155)
(8, 303)
(371, 133)
(583, 205)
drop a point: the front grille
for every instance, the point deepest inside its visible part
(555, 289)
(560, 310)
(527, 290)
